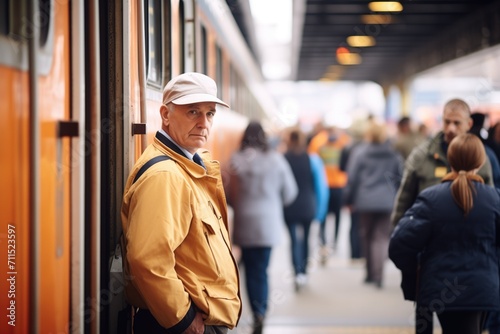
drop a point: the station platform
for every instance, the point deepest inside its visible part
(335, 299)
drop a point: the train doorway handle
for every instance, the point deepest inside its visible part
(67, 129)
(138, 129)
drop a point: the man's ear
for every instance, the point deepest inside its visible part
(164, 114)
(471, 122)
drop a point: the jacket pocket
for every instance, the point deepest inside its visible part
(214, 237)
(212, 242)
(216, 243)
(223, 304)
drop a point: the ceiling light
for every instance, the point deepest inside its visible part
(360, 41)
(385, 6)
(342, 50)
(334, 69)
(348, 58)
(329, 79)
(333, 72)
(377, 19)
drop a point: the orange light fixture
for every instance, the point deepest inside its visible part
(345, 57)
(342, 50)
(333, 73)
(385, 6)
(377, 19)
(349, 59)
(360, 41)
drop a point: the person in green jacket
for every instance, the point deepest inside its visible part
(425, 167)
(427, 163)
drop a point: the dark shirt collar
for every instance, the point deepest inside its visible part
(169, 142)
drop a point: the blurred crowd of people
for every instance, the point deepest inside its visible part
(374, 169)
(430, 203)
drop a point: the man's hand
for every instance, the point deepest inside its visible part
(197, 326)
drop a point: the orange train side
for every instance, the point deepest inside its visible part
(55, 176)
(81, 179)
(15, 223)
(14, 202)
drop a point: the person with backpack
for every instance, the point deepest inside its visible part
(182, 275)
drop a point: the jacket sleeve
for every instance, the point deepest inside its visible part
(398, 171)
(160, 219)
(320, 186)
(407, 241)
(495, 166)
(411, 236)
(290, 189)
(486, 172)
(497, 225)
(344, 157)
(353, 167)
(408, 189)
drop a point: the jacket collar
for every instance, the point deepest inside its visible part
(189, 165)
(168, 143)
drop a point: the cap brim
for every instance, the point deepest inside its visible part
(198, 98)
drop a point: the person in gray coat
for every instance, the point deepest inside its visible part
(374, 177)
(261, 183)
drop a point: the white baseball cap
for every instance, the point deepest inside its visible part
(189, 88)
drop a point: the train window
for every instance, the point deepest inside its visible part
(219, 71)
(4, 17)
(16, 30)
(11, 13)
(233, 79)
(182, 37)
(44, 16)
(204, 50)
(166, 40)
(153, 39)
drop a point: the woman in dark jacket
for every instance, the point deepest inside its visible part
(311, 202)
(448, 240)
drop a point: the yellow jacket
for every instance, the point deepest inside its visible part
(178, 251)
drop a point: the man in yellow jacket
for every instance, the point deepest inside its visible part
(183, 277)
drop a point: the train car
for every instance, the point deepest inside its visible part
(81, 85)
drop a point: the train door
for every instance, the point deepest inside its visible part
(37, 169)
(187, 35)
(77, 166)
(15, 175)
(141, 33)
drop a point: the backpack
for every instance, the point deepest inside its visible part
(126, 314)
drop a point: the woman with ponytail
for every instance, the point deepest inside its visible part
(449, 240)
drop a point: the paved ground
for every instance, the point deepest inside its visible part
(335, 300)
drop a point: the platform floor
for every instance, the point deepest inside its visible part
(335, 299)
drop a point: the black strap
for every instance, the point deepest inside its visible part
(149, 164)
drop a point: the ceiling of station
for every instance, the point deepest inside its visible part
(397, 35)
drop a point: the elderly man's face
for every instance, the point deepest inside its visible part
(455, 122)
(189, 125)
